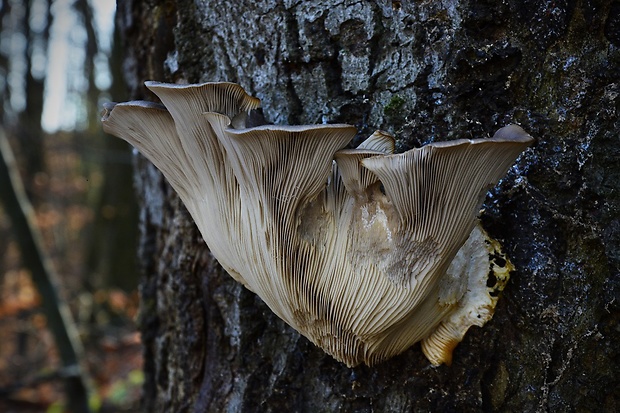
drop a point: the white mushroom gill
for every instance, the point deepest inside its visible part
(363, 251)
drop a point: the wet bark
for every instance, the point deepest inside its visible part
(426, 71)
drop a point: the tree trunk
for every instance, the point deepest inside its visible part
(426, 71)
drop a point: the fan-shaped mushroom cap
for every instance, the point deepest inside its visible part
(149, 128)
(437, 190)
(362, 251)
(355, 177)
(379, 141)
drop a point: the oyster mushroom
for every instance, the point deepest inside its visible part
(363, 251)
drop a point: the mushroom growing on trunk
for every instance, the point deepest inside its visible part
(363, 251)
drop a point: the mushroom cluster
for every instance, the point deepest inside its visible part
(363, 251)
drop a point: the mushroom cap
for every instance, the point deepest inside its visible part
(379, 141)
(148, 127)
(363, 251)
(355, 177)
(437, 191)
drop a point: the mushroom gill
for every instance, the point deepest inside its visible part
(363, 251)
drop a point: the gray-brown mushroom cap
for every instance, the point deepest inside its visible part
(363, 251)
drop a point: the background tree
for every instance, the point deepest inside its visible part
(54, 55)
(426, 71)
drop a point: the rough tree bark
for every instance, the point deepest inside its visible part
(425, 70)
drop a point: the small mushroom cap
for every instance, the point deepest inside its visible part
(379, 141)
(513, 133)
(356, 178)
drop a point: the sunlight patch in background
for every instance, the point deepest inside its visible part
(65, 83)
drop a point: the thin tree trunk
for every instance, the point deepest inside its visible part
(427, 71)
(113, 239)
(57, 313)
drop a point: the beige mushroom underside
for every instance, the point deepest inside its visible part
(362, 251)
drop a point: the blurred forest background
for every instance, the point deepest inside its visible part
(68, 274)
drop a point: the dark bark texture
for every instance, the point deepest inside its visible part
(426, 71)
